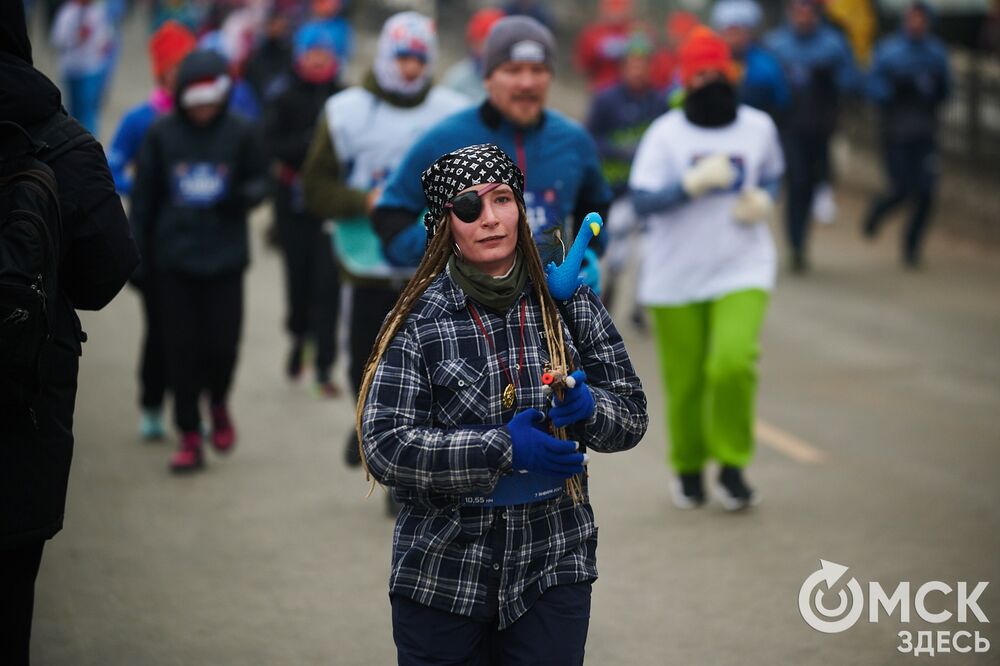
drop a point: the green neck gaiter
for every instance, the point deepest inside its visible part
(498, 294)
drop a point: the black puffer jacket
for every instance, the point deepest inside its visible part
(195, 184)
(98, 255)
(290, 115)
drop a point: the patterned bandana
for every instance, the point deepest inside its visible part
(460, 170)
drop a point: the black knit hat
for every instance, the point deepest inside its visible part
(461, 169)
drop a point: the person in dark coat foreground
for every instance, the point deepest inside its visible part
(97, 256)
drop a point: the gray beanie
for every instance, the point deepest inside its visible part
(518, 39)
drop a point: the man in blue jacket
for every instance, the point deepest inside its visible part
(558, 157)
(909, 81)
(820, 69)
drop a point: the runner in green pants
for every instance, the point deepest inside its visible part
(704, 181)
(708, 352)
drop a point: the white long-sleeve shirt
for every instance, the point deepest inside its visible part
(697, 251)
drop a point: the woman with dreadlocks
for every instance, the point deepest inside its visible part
(494, 548)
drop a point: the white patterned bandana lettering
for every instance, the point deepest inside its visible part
(459, 170)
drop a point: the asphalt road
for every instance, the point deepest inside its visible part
(878, 450)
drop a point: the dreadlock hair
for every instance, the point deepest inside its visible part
(435, 258)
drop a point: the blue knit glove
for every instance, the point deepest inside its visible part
(407, 247)
(577, 403)
(537, 451)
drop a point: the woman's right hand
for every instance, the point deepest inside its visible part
(535, 450)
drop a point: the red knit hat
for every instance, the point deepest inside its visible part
(169, 45)
(703, 51)
(680, 23)
(480, 24)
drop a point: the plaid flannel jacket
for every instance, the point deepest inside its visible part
(439, 377)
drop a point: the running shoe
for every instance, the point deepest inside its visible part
(799, 263)
(223, 433)
(912, 261)
(188, 457)
(687, 491)
(293, 367)
(326, 389)
(732, 491)
(151, 427)
(870, 228)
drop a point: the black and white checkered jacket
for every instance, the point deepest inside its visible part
(433, 431)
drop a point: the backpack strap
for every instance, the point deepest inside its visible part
(16, 141)
(57, 135)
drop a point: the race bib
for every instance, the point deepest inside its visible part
(518, 488)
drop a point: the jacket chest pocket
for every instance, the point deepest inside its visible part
(462, 391)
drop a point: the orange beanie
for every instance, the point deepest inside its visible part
(169, 45)
(703, 51)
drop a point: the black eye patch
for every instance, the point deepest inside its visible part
(468, 206)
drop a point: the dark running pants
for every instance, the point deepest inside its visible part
(807, 158)
(312, 280)
(369, 307)
(553, 632)
(202, 319)
(912, 170)
(152, 367)
(18, 571)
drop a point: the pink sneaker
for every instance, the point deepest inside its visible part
(188, 457)
(223, 433)
(327, 390)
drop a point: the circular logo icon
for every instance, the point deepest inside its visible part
(814, 611)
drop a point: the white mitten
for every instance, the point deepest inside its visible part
(714, 172)
(753, 205)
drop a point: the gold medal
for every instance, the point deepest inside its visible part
(508, 397)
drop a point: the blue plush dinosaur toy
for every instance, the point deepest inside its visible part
(565, 278)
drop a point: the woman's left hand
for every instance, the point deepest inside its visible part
(577, 403)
